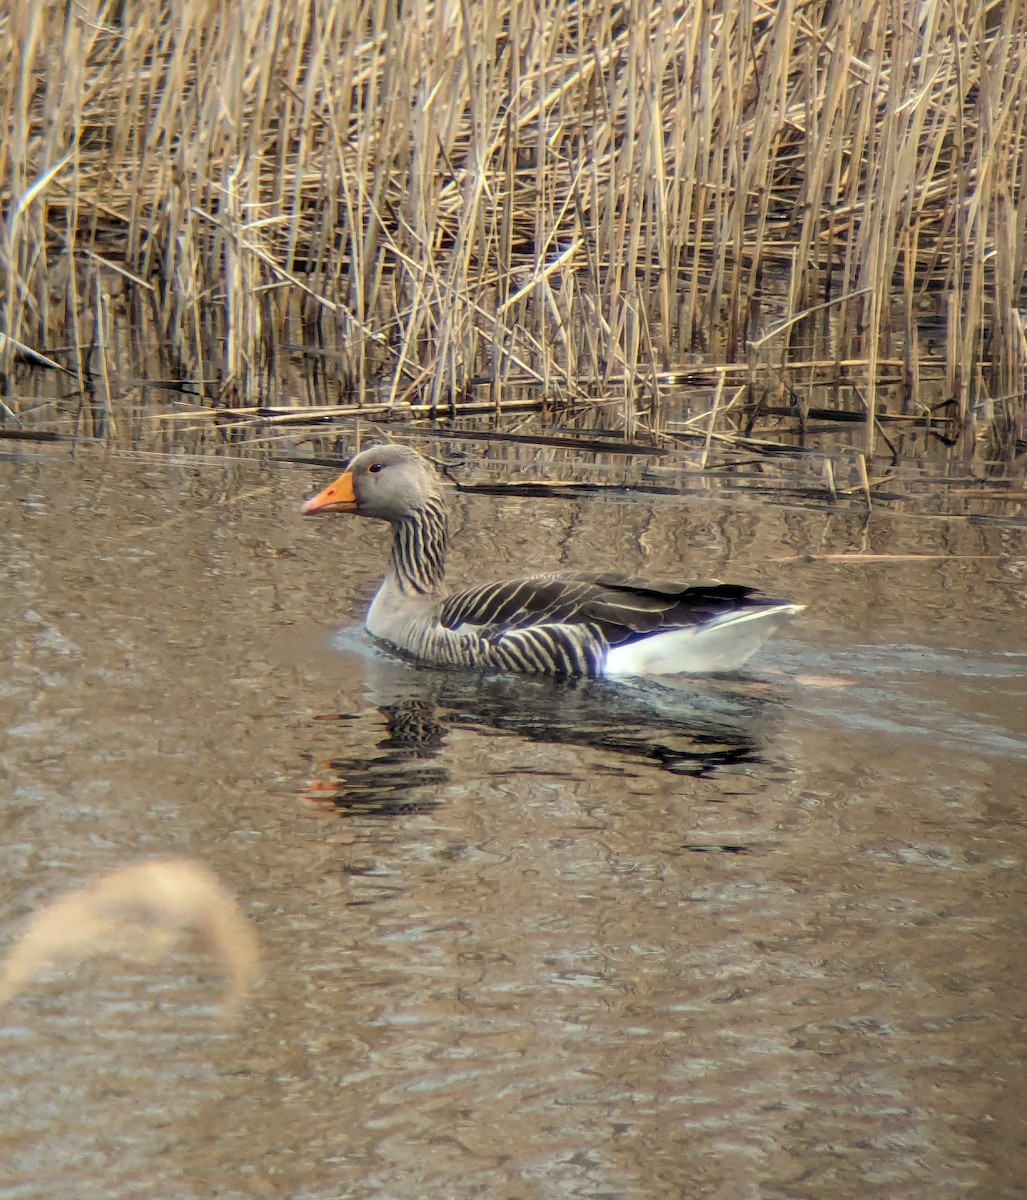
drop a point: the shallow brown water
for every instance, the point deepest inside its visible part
(758, 938)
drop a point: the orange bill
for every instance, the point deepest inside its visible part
(337, 497)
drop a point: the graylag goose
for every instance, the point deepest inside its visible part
(566, 625)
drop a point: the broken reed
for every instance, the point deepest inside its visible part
(447, 194)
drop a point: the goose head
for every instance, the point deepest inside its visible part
(388, 482)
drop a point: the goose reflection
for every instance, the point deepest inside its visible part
(400, 768)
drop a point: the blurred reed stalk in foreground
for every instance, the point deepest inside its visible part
(140, 911)
(544, 197)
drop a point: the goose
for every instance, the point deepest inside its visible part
(563, 625)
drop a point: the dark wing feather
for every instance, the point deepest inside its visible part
(517, 603)
(621, 609)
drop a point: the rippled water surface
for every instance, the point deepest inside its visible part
(758, 937)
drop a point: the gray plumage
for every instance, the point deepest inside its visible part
(576, 625)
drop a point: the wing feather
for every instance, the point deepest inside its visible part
(615, 606)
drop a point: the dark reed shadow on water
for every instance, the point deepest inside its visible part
(697, 729)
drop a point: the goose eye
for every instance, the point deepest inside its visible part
(374, 468)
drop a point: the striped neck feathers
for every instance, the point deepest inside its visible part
(419, 542)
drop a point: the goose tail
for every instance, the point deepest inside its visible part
(721, 644)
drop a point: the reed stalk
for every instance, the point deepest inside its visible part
(428, 204)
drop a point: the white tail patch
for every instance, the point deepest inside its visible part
(721, 644)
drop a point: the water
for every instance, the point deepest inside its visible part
(759, 937)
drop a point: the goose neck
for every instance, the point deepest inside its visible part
(419, 549)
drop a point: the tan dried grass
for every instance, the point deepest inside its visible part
(450, 196)
(140, 910)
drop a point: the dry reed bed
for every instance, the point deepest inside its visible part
(451, 201)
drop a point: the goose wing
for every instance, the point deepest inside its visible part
(619, 608)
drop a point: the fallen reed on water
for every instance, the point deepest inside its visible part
(449, 202)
